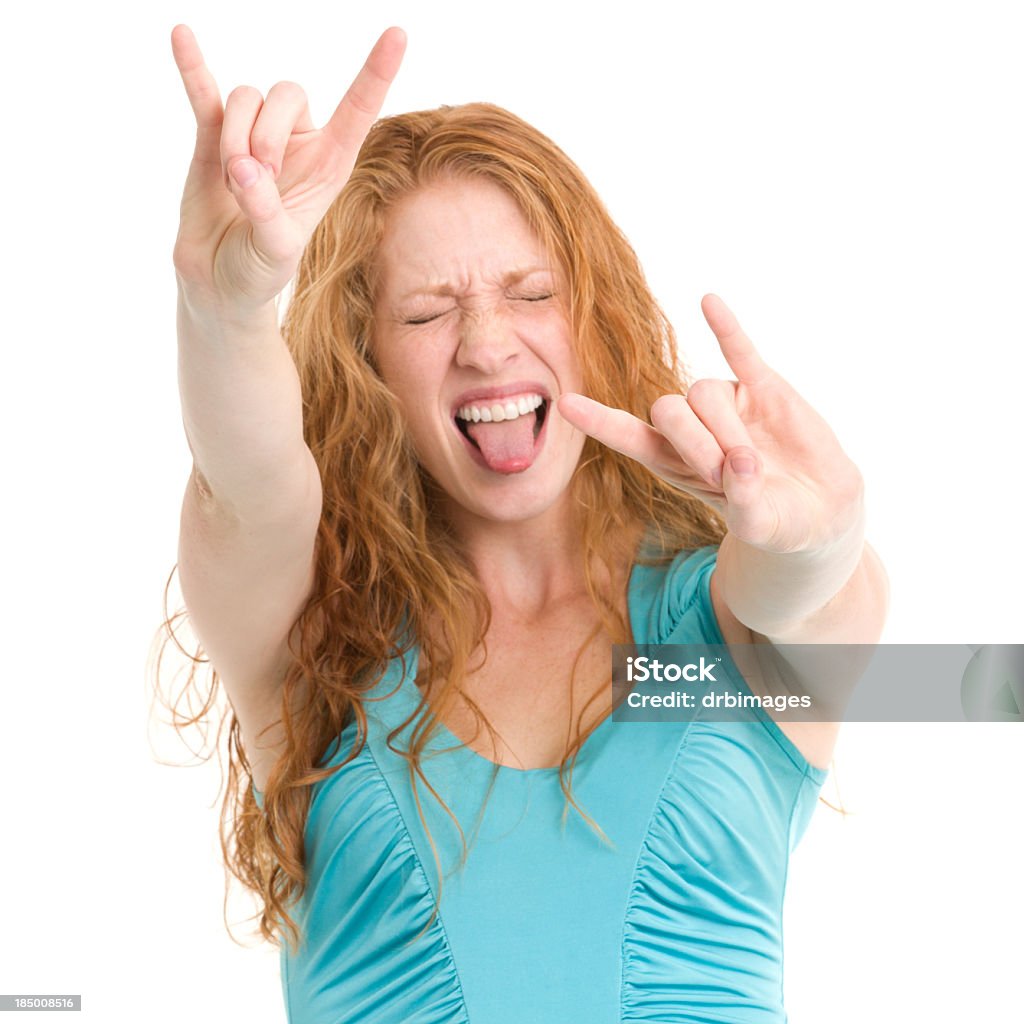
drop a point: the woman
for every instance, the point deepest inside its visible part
(409, 542)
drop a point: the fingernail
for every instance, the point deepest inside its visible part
(743, 465)
(245, 172)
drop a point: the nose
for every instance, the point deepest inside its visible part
(487, 341)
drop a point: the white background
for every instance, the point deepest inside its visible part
(848, 179)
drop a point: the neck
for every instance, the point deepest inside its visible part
(529, 567)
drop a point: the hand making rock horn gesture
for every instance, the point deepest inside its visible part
(752, 448)
(262, 177)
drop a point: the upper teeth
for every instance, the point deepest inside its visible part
(508, 410)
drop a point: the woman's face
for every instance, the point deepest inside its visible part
(472, 337)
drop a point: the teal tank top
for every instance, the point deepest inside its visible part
(678, 920)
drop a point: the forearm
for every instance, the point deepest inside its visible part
(835, 595)
(241, 407)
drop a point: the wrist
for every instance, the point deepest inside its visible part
(209, 312)
(770, 591)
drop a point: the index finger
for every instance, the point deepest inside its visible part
(738, 349)
(360, 106)
(616, 428)
(202, 91)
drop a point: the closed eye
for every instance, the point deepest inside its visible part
(426, 319)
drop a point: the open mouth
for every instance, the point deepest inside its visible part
(540, 414)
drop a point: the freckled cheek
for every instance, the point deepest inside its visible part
(416, 385)
(561, 356)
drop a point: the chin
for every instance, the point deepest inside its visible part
(510, 502)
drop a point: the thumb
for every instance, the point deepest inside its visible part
(257, 196)
(743, 483)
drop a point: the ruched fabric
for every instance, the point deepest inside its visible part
(368, 897)
(676, 916)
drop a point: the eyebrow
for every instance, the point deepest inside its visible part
(512, 277)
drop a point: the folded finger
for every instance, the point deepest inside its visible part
(240, 113)
(697, 446)
(284, 111)
(714, 402)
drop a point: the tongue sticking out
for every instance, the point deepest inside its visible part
(507, 447)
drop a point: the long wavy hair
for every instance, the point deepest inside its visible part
(387, 564)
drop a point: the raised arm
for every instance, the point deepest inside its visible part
(260, 180)
(794, 567)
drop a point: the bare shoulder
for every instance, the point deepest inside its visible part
(815, 740)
